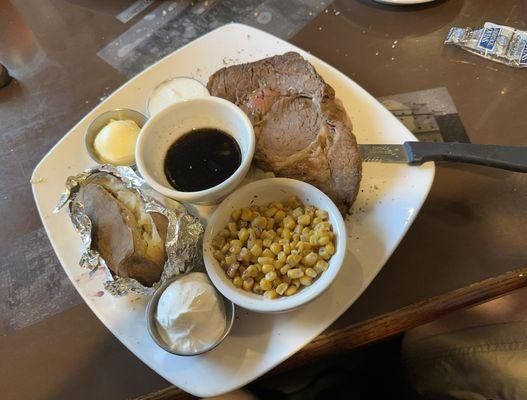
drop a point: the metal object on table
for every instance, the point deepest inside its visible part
(152, 324)
(104, 119)
(512, 158)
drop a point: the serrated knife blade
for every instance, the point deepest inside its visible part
(512, 158)
(384, 153)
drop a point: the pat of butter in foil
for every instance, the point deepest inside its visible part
(498, 43)
(184, 233)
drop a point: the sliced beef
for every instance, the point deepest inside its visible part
(302, 130)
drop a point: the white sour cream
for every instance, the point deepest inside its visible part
(173, 91)
(190, 314)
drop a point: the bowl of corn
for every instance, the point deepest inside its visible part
(274, 245)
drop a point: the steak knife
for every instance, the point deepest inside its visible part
(416, 153)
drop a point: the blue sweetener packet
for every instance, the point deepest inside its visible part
(498, 43)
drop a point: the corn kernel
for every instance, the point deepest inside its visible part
(310, 259)
(293, 259)
(238, 282)
(323, 252)
(286, 233)
(250, 272)
(270, 294)
(232, 269)
(244, 254)
(268, 253)
(275, 248)
(265, 284)
(284, 269)
(323, 240)
(297, 212)
(235, 215)
(230, 259)
(277, 205)
(289, 222)
(311, 272)
(259, 222)
(322, 214)
(281, 288)
(256, 250)
(231, 226)
(305, 281)
(321, 266)
(304, 219)
(271, 275)
(291, 290)
(279, 216)
(241, 224)
(315, 221)
(267, 268)
(324, 225)
(330, 248)
(310, 210)
(295, 273)
(270, 212)
(299, 247)
(243, 234)
(235, 249)
(246, 214)
(248, 284)
(265, 260)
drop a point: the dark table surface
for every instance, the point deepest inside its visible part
(471, 227)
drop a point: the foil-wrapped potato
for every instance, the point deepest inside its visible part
(130, 240)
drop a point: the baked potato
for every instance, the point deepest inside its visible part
(130, 240)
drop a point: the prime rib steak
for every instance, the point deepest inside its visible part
(302, 130)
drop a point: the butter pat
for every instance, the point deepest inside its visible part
(190, 314)
(115, 143)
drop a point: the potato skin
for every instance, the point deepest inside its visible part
(115, 235)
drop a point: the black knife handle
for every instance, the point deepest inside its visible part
(504, 157)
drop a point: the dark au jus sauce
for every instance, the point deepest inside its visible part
(201, 159)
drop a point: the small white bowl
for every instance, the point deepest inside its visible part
(263, 192)
(169, 124)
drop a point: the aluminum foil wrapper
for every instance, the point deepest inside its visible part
(184, 233)
(498, 43)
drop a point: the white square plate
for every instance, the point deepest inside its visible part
(390, 198)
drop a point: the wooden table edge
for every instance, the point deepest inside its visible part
(339, 341)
